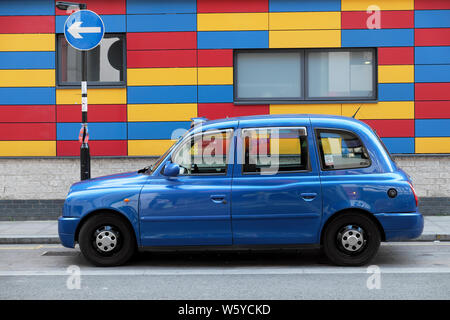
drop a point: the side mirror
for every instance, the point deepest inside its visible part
(171, 169)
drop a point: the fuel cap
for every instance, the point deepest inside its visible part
(392, 193)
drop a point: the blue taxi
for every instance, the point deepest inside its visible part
(271, 181)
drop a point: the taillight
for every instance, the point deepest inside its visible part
(414, 193)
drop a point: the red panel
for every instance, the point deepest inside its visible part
(27, 113)
(97, 148)
(215, 58)
(395, 55)
(96, 113)
(161, 40)
(431, 4)
(389, 19)
(432, 37)
(392, 128)
(162, 58)
(432, 91)
(204, 6)
(27, 131)
(27, 24)
(432, 109)
(101, 7)
(223, 110)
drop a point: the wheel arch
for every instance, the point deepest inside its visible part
(353, 210)
(119, 214)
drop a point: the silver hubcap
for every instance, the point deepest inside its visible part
(352, 239)
(106, 240)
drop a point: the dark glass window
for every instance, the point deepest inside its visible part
(304, 75)
(106, 62)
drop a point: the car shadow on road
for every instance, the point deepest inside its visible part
(387, 256)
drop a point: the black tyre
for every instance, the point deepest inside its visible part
(351, 239)
(107, 240)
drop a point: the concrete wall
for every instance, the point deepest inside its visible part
(51, 178)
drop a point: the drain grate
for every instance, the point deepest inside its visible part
(60, 253)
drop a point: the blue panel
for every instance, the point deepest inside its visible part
(432, 55)
(27, 60)
(432, 73)
(378, 38)
(112, 22)
(97, 131)
(162, 22)
(161, 6)
(432, 127)
(399, 145)
(155, 130)
(432, 18)
(304, 5)
(162, 94)
(27, 8)
(232, 39)
(215, 93)
(27, 96)
(396, 91)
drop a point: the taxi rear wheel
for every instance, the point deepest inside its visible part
(351, 239)
(106, 239)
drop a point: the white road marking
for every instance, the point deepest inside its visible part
(222, 271)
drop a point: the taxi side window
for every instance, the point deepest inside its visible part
(204, 153)
(340, 149)
(273, 150)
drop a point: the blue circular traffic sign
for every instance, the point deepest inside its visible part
(84, 30)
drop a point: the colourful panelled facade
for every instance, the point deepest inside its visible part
(179, 58)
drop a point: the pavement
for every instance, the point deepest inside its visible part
(437, 228)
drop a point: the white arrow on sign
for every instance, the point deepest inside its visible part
(75, 29)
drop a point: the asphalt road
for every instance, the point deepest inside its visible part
(412, 270)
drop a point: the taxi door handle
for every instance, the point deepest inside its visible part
(218, 199)
(308, 196)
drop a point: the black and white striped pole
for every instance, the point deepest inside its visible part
(83, 30)
(85, 156)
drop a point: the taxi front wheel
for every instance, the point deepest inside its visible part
(351, 239)
(107, 240)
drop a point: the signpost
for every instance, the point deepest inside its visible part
(84, 30)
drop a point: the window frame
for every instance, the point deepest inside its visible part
(304, 78)
(308, 163)
(189, 137)
(96, 84)
(322, 156)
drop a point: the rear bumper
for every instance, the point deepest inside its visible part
(66, 230)
(401, 226)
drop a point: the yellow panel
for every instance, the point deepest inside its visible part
(27, 78)
(304, 39)
(215, 75)
(232, 21)
(162, 112)
(433, 145)
(27, 42)
(304, 20)
(284, 146)
(27, 148)
(334, 109)
(162, 76)
(395, 74)
(148, 147)
(362, 5)
(95, 96)
(381, 110)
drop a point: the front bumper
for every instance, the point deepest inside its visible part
(67, 227)
(401, 226)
